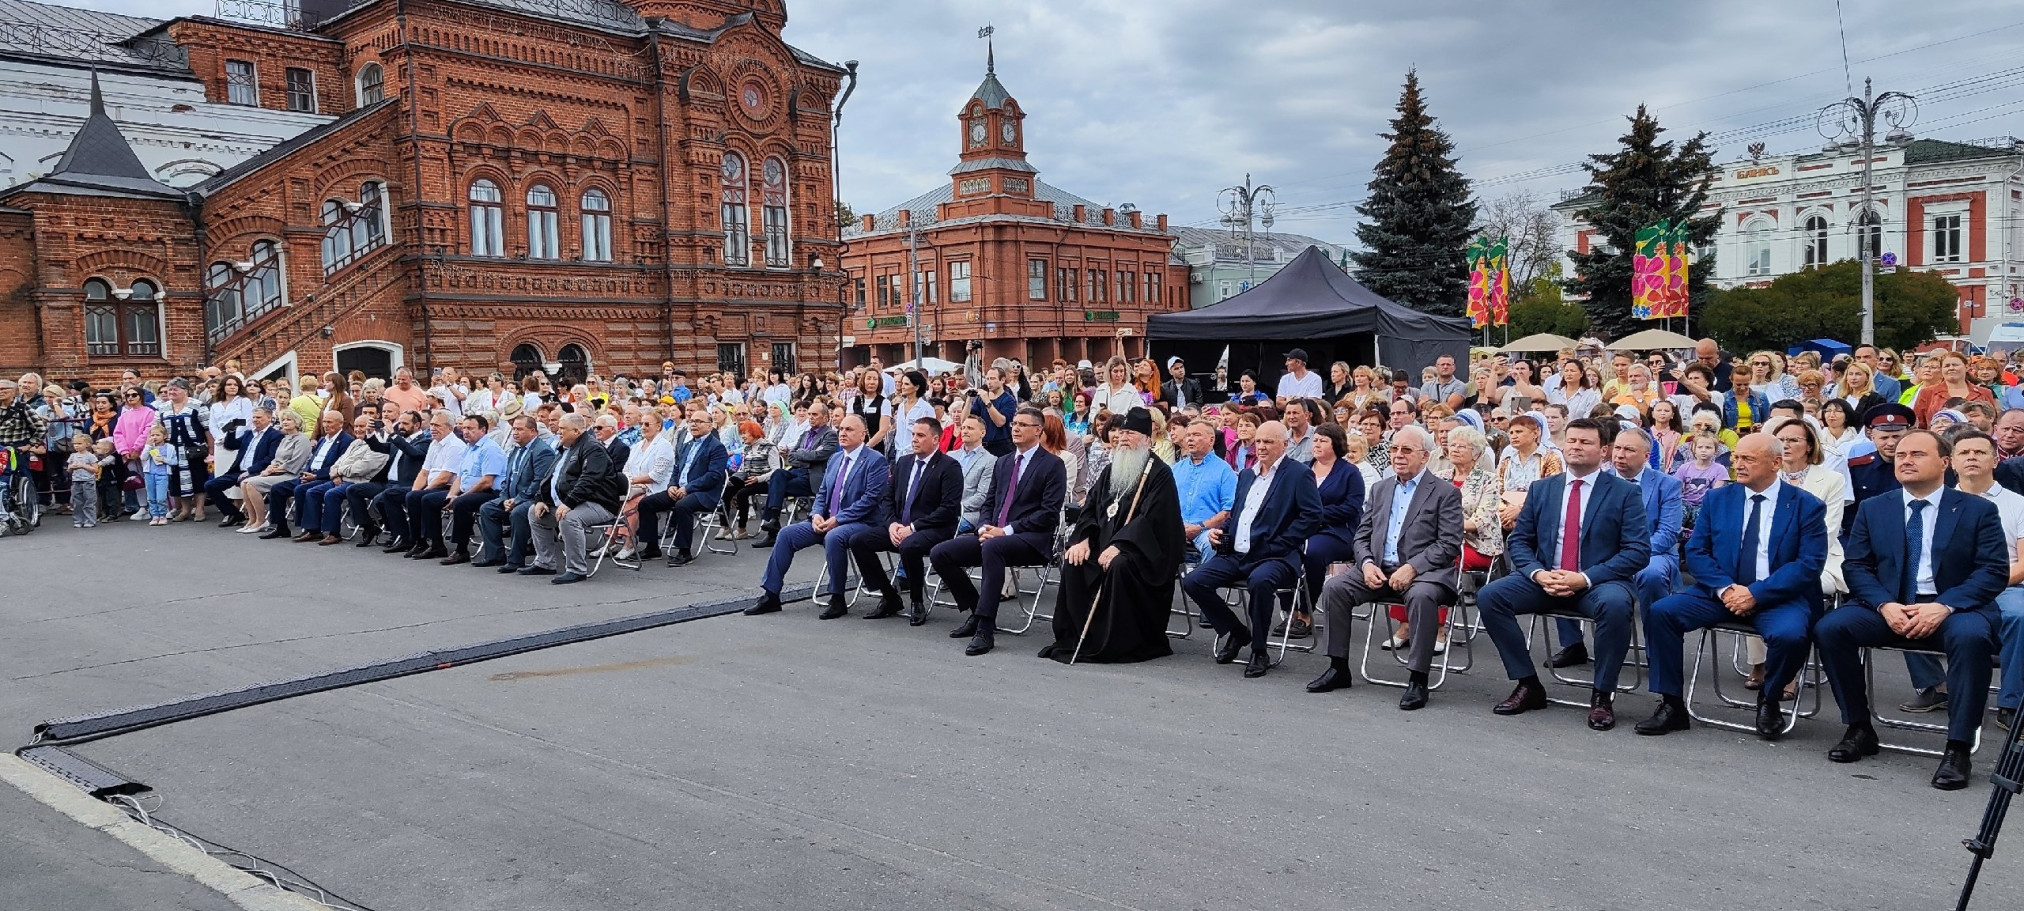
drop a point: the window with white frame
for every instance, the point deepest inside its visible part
(337, 247)
(773, 214)
(544, 240)
(924, 286)
(353, 227)
(488, 219)
(371, 84)
(959, 282)
(125, 323)
(1869, 230)
(735, 212)
(596, 226)
(1036, 279)
(242, 83)
(1757, 249)
(1946, 238)
(1815, 240)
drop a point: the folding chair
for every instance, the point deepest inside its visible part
(1028, 599)
(1185, 608)
(1713, 661)
(1880, 720)
(1238, 598)
(598, 541)
(713, 528)
(1636, 668)
(1455, 616)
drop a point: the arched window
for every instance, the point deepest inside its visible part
(575, 364)
(487, 220)
(596, 226)
(543, 237)
(773, 216)
(736, 216)
(526, 359)
(1816, 242)
(1757, 249)
(123, 323)
(371, 84)
(264, 291)
(368, 226)
(101, 318)
(337, 237)
(1869, 229)
(224, 304)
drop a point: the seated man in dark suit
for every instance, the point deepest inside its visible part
(322, 459)
(804, 462)
(1924, 566)
(1755, 556)
(256, 447)
(402, 440)
(502, 523)
(695, 485)
(1406, 549)
(1021, 513)
(850, 502)
(1276, 510)
(1580, 539)
(926, 499)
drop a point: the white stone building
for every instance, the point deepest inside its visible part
(47, 56)
(1956, 208)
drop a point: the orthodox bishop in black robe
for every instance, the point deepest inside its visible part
(1122, 558)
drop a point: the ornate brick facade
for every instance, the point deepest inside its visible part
(1031, 271)
(546, 177)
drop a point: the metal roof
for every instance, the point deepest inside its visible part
(99, 162)
(986, 164)
(286, 147)
(77, 37)
(921, 211)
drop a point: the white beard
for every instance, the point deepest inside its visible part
(1126, 464)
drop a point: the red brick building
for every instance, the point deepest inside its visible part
(570, 184)
(999, 256)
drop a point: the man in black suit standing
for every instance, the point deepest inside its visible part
(925, 499)
(1276, 509)
(1180, 392)
(1924, 567)
(1024, 508)
(1406, 550)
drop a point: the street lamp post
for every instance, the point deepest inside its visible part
(1857, 117)
(1244, 207)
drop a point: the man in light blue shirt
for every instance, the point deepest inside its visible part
(1207, 486)
(476, 484)
(1396, 522)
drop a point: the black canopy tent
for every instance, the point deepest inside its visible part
(1309, 304)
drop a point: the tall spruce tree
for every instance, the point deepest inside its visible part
(1417, 219)
(1643, 182)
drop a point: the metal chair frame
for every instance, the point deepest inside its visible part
(1458, 618)
(1713, 662)
(1027, 599)
(1880, 721)
(1637, 669)
(1238, 598)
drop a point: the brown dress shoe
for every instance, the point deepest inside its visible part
(1601, 711)
(1525, 697)
(329, 540)
(305, 537)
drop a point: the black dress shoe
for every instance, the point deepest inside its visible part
(681, 558)
(1601, 711)
(1415, 697)
(488, 563)
(1525, 697)
(1301, 630)
(1952, 775)
(651, 552)
(1770, 719)
(434, 552)
(980, 643)
(1335, 678)
(1258, 665)
(567, 578)
(837, 608)
(764, 542)
(1229, 645)
(232, 522)
(366, 540)
(395, 546)
(918, 616)
(1859, 741)
(537, 571)
(458, 558)
(966, 629)
(889, 605)
(509, 568)
(1571, 656)
(1048, 650)
(280, 531)
(768, 603)
(1670, 716)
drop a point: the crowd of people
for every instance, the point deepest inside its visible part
(1823, 505)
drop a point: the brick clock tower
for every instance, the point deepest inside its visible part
(1000, 257)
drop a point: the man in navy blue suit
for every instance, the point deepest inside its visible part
(1630, 459)
(850, 502)
(1579, 541)
(1755, 555)
(1021, 513)
(926, 499)
(333, 443)
(1924, 567)
(1276, 510)
(695, 485)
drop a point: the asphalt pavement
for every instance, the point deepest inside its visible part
(783, 761)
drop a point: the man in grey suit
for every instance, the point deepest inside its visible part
(978, 467)
(1405, 550)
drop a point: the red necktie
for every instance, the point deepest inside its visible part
(1570, 530)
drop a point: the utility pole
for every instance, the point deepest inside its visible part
(1243, 208)
(1856, 118)
(914, 284)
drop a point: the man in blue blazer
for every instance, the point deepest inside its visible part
(695, 485)
(322, 458)
(1276, 510)
(1028, 486)
(1579, 541)
(1630, 459)
(502, 522)
(925, 503)
(262, 439)
(1924, 566)
(850, 502)
(1756, 556)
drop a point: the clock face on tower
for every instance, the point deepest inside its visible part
(977, 132)
(1010, 132)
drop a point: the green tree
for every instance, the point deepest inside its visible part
(1911, 308)
(1643, 182)
(845, 216)
(1416, 221)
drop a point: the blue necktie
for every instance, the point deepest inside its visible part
(1747, 572)
(1915, 547)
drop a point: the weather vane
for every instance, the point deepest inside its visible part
(990, 53)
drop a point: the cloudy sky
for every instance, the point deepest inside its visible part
(1163, 103)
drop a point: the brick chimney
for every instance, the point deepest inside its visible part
(1161, 223)
(906, 217)
(1136, 219)
(1109, 216)
(1080, 212)
(870, 223)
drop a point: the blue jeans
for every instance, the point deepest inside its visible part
(158, 494)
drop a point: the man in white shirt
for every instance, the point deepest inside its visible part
(1299, 382)
(1974, 464)
(439, 470)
